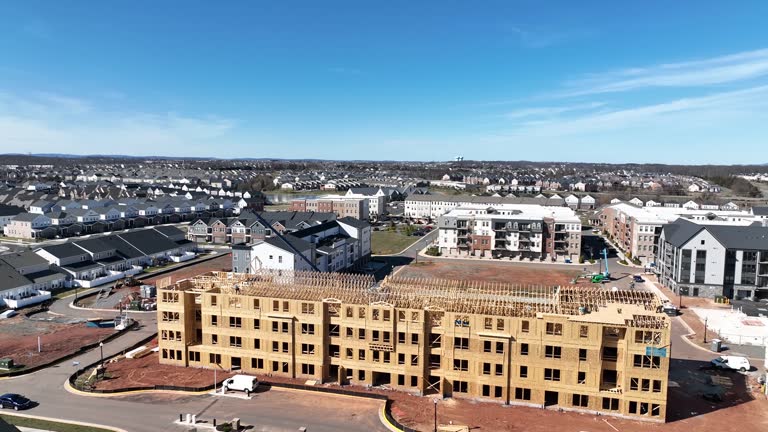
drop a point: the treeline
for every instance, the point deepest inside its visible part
(258, 183)
(737, 185)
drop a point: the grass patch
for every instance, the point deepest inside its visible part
(49, 425)
(388, 242)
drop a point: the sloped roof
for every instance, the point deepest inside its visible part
(282, 242)
(23, 259)
(64, 250)
(750, 237)
(10, 278)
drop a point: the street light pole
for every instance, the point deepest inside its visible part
(101, 349)
(435, 401)
(705, 329)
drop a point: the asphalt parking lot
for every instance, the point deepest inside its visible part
(751, 308)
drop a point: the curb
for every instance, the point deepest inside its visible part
(385, 421)
(68, 387)
(72, 422)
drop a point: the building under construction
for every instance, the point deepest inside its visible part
(579, 348)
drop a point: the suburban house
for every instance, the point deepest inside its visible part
(7, 213)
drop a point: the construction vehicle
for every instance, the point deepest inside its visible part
(605, 274)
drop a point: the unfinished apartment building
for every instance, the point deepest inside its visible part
(585, 349)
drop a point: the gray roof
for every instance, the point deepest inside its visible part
(45, 276)
(750, 237)
(7, 210)
(10, 278)
(680, 231)
(122, 247)
(23, 259)
(283, 241)
(64, 250)
(149, 241)
(26, 217)
(357, 223)
(95, 245)
(760, 210)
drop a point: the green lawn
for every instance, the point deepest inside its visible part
(48, 425)
(387, 242)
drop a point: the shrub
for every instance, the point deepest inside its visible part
(623, 262)
(591, 260)
(433, 251)
(224, 427)
(581, 259)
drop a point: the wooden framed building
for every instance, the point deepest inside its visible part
(578, 348)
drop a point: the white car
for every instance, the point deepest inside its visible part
(740, 364)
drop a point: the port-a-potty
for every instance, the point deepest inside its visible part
(717, 345)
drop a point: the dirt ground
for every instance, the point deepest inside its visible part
(148, 371)
(59, 337)
(530, 274)
(418, 412)
(222, 263)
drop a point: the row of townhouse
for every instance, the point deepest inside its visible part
(341, 205)
(636, 230)
(28, 277)
(72, 218)
(689, 205)
(99, 260)
(431, 207)
(249, 227)
(333, 246)
(511, 230)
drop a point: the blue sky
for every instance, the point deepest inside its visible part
(651, 81)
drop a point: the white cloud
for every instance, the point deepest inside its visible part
(551, 110)
(717, 70)
(45, 122)
(746, 102)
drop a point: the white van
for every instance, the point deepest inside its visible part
(243, 383)
(740, 364)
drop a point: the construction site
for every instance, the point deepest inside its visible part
(585, 349)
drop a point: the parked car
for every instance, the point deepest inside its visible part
(243, 383)
(15, 401)
(669, 309)
(638, 278)
(738, 363)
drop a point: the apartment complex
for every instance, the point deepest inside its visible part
(431, 207)
(714, 259)
(511, 230)
(586, 349)
(341, 205)
(636, 230)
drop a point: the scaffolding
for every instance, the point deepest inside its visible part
(434, 295)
